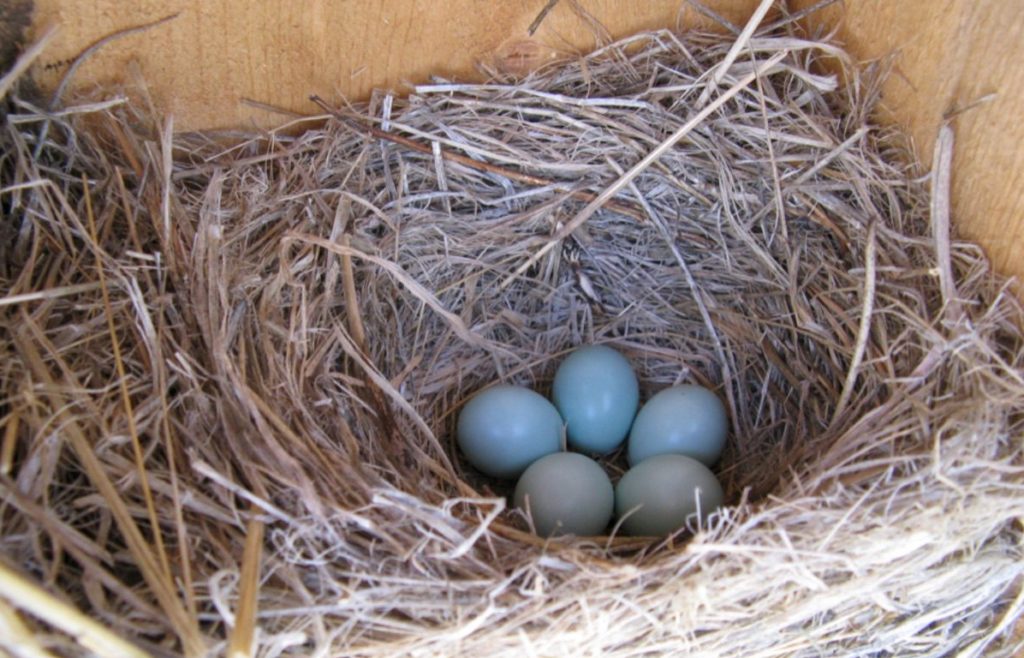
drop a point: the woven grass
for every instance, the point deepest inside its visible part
(232, 365)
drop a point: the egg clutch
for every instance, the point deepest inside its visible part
(672, 441)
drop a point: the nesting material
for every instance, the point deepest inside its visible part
(232, 368)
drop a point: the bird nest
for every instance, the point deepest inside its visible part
(233, 364)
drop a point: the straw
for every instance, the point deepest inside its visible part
(234, 363)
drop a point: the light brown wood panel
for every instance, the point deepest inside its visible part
(213, 54)
(963, 59)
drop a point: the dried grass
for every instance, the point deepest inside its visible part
(207, 338)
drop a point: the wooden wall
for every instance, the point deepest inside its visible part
(954, 57)
(279, 51)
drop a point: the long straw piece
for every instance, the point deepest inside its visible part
(26, 595)
(243, 635)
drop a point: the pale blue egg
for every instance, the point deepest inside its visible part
(567, 494)
(657, 495)
(505, 428)
(596, 392)
(685, 420)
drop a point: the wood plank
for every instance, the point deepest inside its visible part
(200, 65)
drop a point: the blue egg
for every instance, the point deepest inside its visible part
(566, 493)
(596, 392)
(684, 420)
(504, 429)
(656, 496)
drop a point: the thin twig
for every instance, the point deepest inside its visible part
(52, 293)
(942, 167)
(801, 14)
(541, 16)
(122, 378)
(82, 57)
(864, 327)
(737, 47)
(714, 16)
(348, 278)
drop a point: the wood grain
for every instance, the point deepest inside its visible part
(203, 63)
(949, 55)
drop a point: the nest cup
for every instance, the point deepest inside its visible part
(236, 369)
